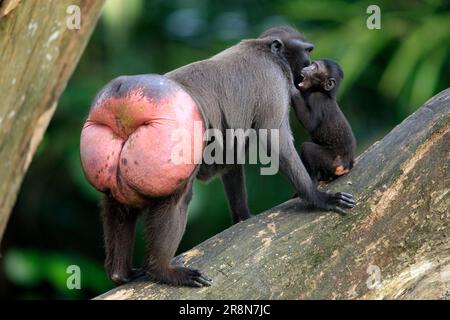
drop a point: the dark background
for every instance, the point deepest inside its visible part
(389, 73)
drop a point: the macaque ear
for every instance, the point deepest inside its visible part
(329, 84)
(276, 46)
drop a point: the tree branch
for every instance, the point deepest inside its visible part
(401, 225)
(38, 53)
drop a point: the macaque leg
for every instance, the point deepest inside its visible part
(119, 222)
(318, 162)
(166, 222)
(234, 183)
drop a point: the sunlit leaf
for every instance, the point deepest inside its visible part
(21, 267)
(417, 45)
(426, 79)
(119, 17)
(30, 268)
(322, 10)
(365, 45)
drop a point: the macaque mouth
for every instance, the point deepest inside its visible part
(304, 81)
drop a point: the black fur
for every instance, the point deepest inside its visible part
(332, 141)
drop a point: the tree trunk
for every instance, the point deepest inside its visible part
(393, 245)
(38, 53)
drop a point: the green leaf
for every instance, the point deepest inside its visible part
(432, 34)
(22, 268)
(322, 10)
(426, 79)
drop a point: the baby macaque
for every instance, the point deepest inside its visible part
(331, 151)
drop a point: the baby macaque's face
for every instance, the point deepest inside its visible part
(313, 75)
(320, 75)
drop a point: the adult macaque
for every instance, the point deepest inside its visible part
(331, 152)
(125, 149)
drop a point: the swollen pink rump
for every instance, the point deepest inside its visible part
(142, 139)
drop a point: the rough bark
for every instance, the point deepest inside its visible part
(38, 53)
(401, 225)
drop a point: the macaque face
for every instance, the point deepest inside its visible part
(313, 75)
(291, 46)
(321, 75)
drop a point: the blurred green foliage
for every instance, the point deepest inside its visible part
(388, 74)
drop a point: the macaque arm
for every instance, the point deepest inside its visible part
(302, 111)
(292, 167)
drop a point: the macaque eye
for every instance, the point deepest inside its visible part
(309, 48)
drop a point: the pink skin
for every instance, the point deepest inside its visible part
(127, 142)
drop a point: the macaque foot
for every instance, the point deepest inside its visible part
(337, 202)
(121, 278)
(181, 276)
(241, 218)
(340, 171)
